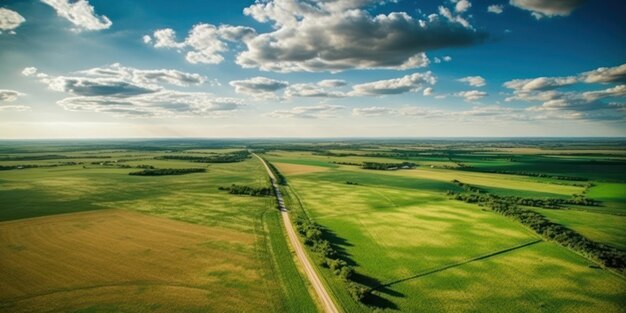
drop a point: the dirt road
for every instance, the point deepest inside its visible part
(327, 302)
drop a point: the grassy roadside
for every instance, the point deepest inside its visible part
(332, 282)
(296, 294)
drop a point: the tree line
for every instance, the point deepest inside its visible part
(508, 206)
(546, 203)
(247, 190)
(167, 171)
(313, 235)
(231, 157)
(387, 166)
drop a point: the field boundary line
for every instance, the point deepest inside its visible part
(466, 261)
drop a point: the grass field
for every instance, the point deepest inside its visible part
(78, 234)
(422, 252)
(90, 237)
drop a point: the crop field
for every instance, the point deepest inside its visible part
(86, 236)
(418, 250)
(187, 227)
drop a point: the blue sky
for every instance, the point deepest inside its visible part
(312, 68)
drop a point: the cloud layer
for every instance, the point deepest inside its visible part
(127, 91)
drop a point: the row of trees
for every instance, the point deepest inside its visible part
(231, 157)
(167, 171)
(247, 190)
(507, 206)
(547, 203)
(313, 235)
(25, 166)
(281, 180)
(387, 166)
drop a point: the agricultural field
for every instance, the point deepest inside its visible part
(79, 234)
(406, 226)
(417, 249)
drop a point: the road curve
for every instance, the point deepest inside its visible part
(327, 302)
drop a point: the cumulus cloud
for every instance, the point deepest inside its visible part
(462, 5)
(126, 91)
(547, 8)
(471, 95)
(495, 8)
(540, 83)
(409, 83)
(259, 87)
(10, 20)
(310, 112)
(204, 44)
(428, 91)
(475, 81)
(9, 95)
(147, 77)
(605, 75)
(312, 90)
(80, 13)
(318, 36)
(574, 104)
(332, 83)
(165, 103)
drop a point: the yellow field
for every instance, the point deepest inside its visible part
(116, 260)
(295, 169)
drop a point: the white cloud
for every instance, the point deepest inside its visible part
(371, 111)
(18, 108)
(462, 6)
(540, 83)
(259, 87)
(317, 36)
(131, 92)
(332, 83)
(471, 95)
(495, 8)
(311, 112)
(605, 75)
(475, 81)
(9, 95)
(80, 13)
(146, 39)
(592, 104)
(146, 77)
(10, 20)
(204, 44)
(409, 83)
(428, 91)
(312, 90)
(547, 8)
(165, 103)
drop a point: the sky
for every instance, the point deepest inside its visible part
(312, 68)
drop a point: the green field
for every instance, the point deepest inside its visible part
(420, 251)
(256, 272)
(412, 246)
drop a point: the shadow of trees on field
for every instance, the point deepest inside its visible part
(373, 298)
(339, 244)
